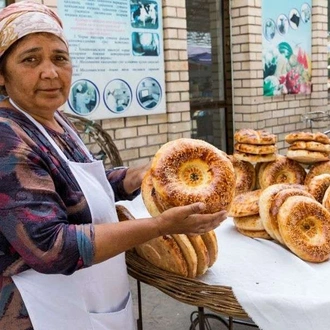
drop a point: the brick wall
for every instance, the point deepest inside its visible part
(280, 114)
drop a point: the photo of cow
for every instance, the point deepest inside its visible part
(144, 14)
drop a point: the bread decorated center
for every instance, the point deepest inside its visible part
(185, 171)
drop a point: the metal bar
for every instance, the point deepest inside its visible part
(201, 318)
(140, 319)
(250, 324)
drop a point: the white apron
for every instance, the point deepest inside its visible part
(95, 298)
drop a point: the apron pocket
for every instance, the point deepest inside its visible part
(122, 319)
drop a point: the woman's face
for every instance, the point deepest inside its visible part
(37, 73)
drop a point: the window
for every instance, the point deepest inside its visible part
(205, 34)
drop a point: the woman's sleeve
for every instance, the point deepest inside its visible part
(116, 177)
(33, 217)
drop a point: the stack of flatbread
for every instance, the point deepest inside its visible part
(292, 217)
(307, 147)
(245, 212)
(255, 146)
(188, 256)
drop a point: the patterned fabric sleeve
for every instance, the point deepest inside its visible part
(33, 217)
(116, 178)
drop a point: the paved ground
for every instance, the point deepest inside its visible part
(161, 312)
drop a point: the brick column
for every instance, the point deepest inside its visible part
(176, 68)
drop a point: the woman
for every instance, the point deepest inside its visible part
(61, 244)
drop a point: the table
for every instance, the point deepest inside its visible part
(276, 288)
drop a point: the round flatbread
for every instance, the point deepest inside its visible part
(306, 156)
(255, 149)
(203, 258)
(305, 228)
(245, 204)
(310, 145)
(254, 158)
(188, 252)
(254, 234)
(249, 222)
(211, 243)
(251, 136)
(164, 253)
(307, 136)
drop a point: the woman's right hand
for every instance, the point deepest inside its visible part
(188, 220)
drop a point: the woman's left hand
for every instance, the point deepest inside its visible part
(134, 177)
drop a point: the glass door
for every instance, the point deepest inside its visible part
(206, 71)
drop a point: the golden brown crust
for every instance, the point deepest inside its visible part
(306, 156)
(185, 171)
(249, 222)
(277, 202)
(305, 228)
(245, 175)
(254, 234)
(251, 136)
(310, 145)
(211, 243)
(123, 213)
(266, 199)
(254, 158)
(307, 136)
(203, 258)
(282, 170)
(188, 252)
(317, 169)
(255, 149)
(318, 186)
(326, 199)
(148, 194)
(245, 204)
(164, 253)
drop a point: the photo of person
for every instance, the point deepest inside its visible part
(144, 14)
(306, 13)
(83, 97)
(117, 96)
(282, 24)
(145, 44)
(149, 93)
(269, 29)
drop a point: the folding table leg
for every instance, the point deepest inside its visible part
(139, 320)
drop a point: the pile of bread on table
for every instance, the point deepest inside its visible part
(284, 198)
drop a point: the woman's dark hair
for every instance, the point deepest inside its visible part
(3, 63)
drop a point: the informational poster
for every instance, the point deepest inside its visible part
(287, 35)
(117, 55)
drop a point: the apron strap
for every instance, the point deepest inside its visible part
(42, 129)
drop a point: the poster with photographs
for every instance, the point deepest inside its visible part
(117, 55)
(287, 35)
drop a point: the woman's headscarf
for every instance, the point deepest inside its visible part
(22, 18)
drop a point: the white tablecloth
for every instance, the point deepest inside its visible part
(277, 290)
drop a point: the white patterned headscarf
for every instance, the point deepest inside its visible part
(22, 18)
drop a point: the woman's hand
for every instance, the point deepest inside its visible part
(188, 220)
(114, 238)
(134, 177)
